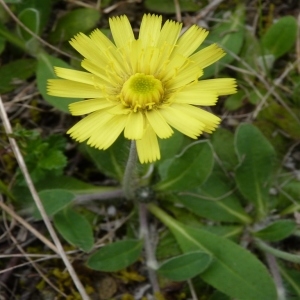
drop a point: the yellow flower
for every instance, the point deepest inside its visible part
(144, 86)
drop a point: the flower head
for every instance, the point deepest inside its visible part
(145, 87)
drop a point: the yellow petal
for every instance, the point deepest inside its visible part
(186, 75)
(102, 73)
(147, 147)
(106, 135)
(79, 76)
(88, 106)
(169, 33)
(193, 94)
(190, 40)
(108, 49)
(220, 86)
(159, 124)
(209, 120)
(134, 128)
(72, 89)
(207, 56)
(82, 130)
(150, 30)
(181, 121)
(121, 30)
(85, 46)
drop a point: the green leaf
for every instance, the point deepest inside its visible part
(45, 71)
(74, 228)
(168, 6)
(185, 266)
(222, 141)
(292, 279)
(234, 270)
(42, 7)
(215, 200)
(188, 169)
(170, 147)
(235, 101)
(277, 231)
(257, 160)
(30, 17)
(116, 256)
(13, 72)
(53, 201)
(280, 37)
(72, 185)
(2, 44)
(229, 35)
(78, 20)
(112, 161)
(279, 116)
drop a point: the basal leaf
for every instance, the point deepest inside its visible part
(185, 266)
(282, 118)
(234, 270)
(74, 228)
(214, 200)
(45, 71)
(188, 169)
(277, 231)
(53, 201)
(30, 17)
(257, 160)
(222, 141)
(116, 256)
(280, 37)
(78, 20)
(15, 71)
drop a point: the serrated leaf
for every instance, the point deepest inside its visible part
(185, 266)
(45, 71)
(257, 161)
(74, 228)
(116, 256)
(280, 37)
(53, 159)
(53, 201)
(112, 161)
(277, 231)
(12, 73)
(168, 6)
(188, 169)
(234, 270)
(230, 36)
(78, 20)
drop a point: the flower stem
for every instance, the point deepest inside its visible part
(129, 188)
(148, 245)
(129, 174)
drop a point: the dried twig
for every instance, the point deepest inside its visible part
(39, 204)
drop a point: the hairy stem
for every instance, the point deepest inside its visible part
(148, 245)
(129, 182)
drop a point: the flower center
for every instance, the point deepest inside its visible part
(142, 91)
